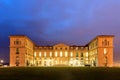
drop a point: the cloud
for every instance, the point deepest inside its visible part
(53, 21)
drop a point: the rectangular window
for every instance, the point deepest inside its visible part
(50, 54)
(17, 42)
(105, 50)
(76, 48)
(56, 54)
(35, 54)
(17, 50)
(66, 54)
(65, 48)
(44, 54)
(14, 42)
(108, 43)
(81, 48)
(86, 54)
(40, 54)
(77, 54)
(17, 62)
(61, 54)
(17, 57)
(71, 54)
(81, 54)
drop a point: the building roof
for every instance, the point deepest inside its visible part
(62, 43)
(23, 36)
(99, 36)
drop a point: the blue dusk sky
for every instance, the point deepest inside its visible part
(47, 22)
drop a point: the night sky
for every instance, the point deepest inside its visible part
(47, 22)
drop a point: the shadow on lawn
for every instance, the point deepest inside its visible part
(59, 73)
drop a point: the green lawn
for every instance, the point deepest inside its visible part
(59, 73)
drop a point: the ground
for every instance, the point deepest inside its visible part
(59, 73)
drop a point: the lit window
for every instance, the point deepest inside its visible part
(44, 54)
(56, 62)
(61, 54)
(81, 48)
(86, 54)
(71, 54)
(50, 54)
(40, 54)
(86, 59)
(86, 62)
(55, 54)
(76, 48)
(35, 54)
(66, 54)
(105, 50)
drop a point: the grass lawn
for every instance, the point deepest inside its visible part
(59, 73)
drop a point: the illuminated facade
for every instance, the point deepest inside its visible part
(98, 52)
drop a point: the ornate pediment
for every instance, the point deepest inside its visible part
(61, 45)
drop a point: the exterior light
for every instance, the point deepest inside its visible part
(86, 54)
(66, 53)
(55, 54)
(50, 54)
(35, 54)
(45, 54)
(1, 61)
(71, 54)
(61, 54)
(40, 54)
(105, 50)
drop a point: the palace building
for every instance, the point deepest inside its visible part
(98, 52)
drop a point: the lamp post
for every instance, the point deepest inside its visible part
(1, 62)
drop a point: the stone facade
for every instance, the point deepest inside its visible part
(98, 52)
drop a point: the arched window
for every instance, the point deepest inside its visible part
(105, 42)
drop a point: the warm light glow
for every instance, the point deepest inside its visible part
(56, 54)
(76, 48)
(56, 62)
(50, 54)
(86, 54)
(71, 61)
(86, 62)
(35, 54)
(40, 54)
(105, 50)
(60, 53)
(1, 61)
(71, 54)
(87, 59)
(66, 54)
(44, 54)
